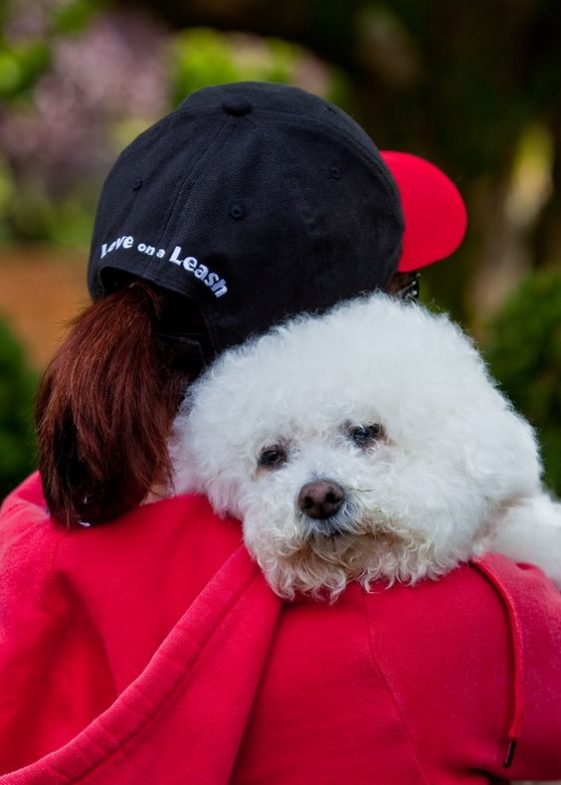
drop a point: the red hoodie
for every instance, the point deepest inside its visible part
(152, 651)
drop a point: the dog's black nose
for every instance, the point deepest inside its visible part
(321, 499)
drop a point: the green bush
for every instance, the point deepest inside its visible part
(524, 352)
(16, 429)
(200, 57)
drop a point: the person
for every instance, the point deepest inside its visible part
(141, 643)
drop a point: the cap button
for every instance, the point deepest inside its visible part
(236, 105)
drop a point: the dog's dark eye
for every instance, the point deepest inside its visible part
(365, 435)
(272, 457)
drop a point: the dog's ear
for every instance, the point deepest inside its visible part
(104, 409)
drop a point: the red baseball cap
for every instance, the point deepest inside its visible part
(434, 212)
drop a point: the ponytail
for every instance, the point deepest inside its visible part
(104, 409)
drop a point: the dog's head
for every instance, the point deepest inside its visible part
(366, 443)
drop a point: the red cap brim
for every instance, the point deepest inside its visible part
(435, 213)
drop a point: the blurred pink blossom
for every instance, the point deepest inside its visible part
(112, 72)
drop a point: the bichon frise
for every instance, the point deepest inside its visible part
(367, 443)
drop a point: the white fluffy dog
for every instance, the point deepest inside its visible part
(367, 443)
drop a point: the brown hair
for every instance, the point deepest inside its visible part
(105, 407)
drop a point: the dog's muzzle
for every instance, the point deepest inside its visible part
(321, 499)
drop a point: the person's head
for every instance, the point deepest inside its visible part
(250, 203)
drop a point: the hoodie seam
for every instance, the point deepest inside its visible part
(392, 695)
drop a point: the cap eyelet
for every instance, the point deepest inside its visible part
(137, 184)
(335, 172)
(237, 211)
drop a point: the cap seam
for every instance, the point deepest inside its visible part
(211, 153)
(300, 200)
(211, 150)
(312, 123)
(290, 168)
(200, 165)
(391, 190)
(304, 207)
(369, 157)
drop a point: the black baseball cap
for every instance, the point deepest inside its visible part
(255, 202)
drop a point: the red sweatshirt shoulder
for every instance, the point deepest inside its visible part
(413, 684)
(83, 611)
(474, 664)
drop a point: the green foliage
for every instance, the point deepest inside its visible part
(22, 62)
(59, 117)
(72, 17)
(20, 66)
(201, 57)
(16, 429)
(524, 352)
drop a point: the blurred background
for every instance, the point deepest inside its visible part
(473, 86)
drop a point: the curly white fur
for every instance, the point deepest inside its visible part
(454, 459)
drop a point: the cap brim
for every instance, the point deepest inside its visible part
(435, 213)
